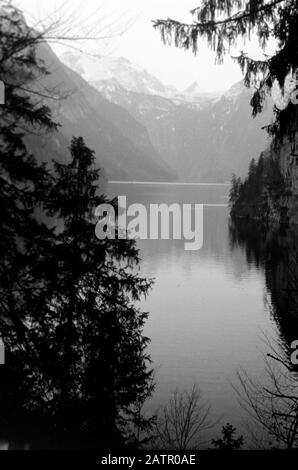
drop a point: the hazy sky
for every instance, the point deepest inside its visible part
(138, 41)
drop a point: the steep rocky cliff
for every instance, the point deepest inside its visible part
(122, 144)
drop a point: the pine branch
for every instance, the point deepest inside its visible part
(237, 17)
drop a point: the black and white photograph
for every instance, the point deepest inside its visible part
(148, 231)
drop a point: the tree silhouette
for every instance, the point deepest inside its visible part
(228, 441)
(272, 400)
(223, 22)
(24, 186)
(234, 190)
(183, 421)
(261, 192)
(76, 361)
(78, 349)
(24, 183)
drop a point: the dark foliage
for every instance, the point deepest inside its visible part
(76, 360)
(260, 193)
(228, 441)
(223, 22)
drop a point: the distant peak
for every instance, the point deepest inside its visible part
(193, 88)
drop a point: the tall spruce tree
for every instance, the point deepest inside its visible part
(76, 363)
(86, 330)
(234, 190)
(81, 360)
(24, 185)
(23, 182)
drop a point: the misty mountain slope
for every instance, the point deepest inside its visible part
(165, 121)
(237, 137)
(121, 143)
(201, 136)
(229, 136)
(205, 143)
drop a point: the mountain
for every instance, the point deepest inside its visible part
(200, 136)
(203, 140)
(193, 90)
(120, 72)
(122, 144)
(195, 96)
(230, 137)
(128, 75)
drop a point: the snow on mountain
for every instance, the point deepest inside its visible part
(193, 89)
(128, 75)
(200, 143)
(200, 136)
(121, 143)
(133, 78)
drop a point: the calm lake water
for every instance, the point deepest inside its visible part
(209, 309)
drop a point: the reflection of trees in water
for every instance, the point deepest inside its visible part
(276, 251)
(273, 401)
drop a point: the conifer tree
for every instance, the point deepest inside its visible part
(24, 185)
(76, 360)
(223, 22)
(23, 181)
(83, 354)
(228, 441)
(95, 301)
(234, 190)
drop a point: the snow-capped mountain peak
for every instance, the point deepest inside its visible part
(193, 89)
(128, 75)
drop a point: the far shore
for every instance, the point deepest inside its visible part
(168, 183)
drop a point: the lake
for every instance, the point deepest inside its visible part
(209, 309)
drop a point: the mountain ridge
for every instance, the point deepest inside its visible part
(197, 136)
(122, 144)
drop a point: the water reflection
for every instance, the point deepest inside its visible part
(276, 251)
(207, 310)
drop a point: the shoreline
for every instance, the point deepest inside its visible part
(167, 183)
